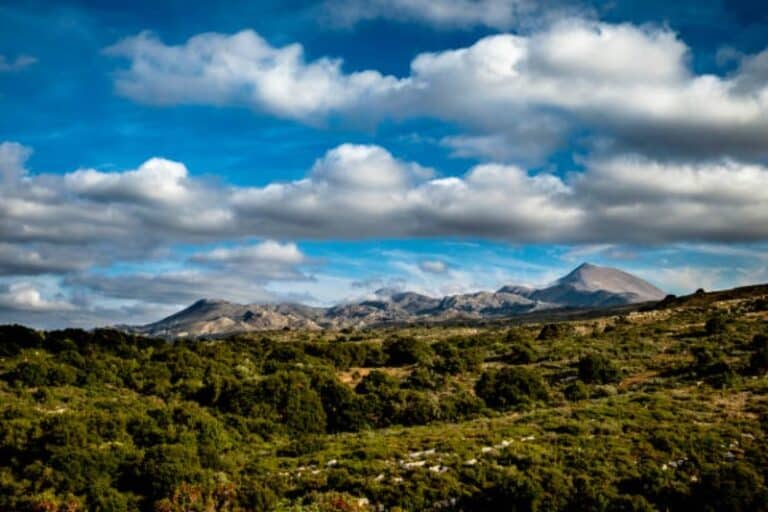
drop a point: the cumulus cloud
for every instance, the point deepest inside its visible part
(13, 157)
(525, 142)
(490, 200)
(717, 201)
(156, 180)
(25, 297)
(77, 224)
(178, 288)
(241, 69)
(364, 192)
(631, 85)
(266, 261)
(18, 260)
(20, 62)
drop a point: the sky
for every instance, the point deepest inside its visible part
(154, 153)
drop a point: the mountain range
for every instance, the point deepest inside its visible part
(587, 286)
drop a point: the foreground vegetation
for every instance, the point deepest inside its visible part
(664, 409)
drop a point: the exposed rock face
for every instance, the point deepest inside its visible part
(588, 286)
(212, 317)
(593, 286)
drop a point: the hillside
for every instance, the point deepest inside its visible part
(588, 286)
(664, 407)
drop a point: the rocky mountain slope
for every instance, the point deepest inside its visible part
(588, 286)
(592, 286)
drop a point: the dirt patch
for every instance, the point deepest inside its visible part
(639, 378)
(354, 375)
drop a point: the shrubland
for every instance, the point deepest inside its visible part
(664, 409)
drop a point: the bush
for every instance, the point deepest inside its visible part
(403, 351)
(554, 331)
(576, 391)
(343, 409)
(165, 467)
(520, 353)
(382, 398)
(34, 374)
(715, 325)
(14, 338)
(733, 487)
(453, 360)
(758, 362)
(419, 409)
(597, 369)
(424, 378)
(509, 387)
(297, 404)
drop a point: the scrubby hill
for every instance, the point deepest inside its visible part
(662, 408)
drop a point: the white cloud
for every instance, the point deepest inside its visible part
(363, 192)
(627, 84)
(529, 142)
(17, 64)
(433, 266)
(25, 297)
(241, 69)
(499, 14)
(77, 224)
(490, 200)
(13, 156)
(265, 261)
(18, 260)
(156, 180)
(178, 288)
(657, 202)
(360, 167)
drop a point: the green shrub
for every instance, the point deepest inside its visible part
(758, 361)
(297, 404)
(733, 487)
(403, 351)
(454, 360)
(715, 325)
(424, 378)
(554, 331)
(510, 386)
(576, 391)
(165, 467)
(598, 369)
(520, 353)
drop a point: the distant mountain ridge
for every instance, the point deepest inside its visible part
(587, 286)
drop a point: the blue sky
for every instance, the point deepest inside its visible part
(154, 153)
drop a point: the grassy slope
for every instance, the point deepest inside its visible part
(653, 433)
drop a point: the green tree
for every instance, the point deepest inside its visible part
(510, 387)
(297, 404)
(403, 351)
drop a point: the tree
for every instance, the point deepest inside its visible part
(296, 402)
(403, 351)
(510, 386)
(165, 467)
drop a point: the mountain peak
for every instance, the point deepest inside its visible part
(208, 302)
(587, 286)
(587, 279)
